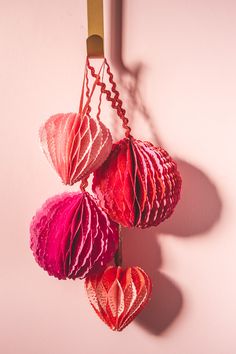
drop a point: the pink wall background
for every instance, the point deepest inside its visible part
(181, 56)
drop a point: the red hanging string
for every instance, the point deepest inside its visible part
(87, 90)
(100, 96)
(84, 184)
(120, 110)
(116, 102)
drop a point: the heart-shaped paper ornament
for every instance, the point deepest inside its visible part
(75, 143)
(118, 295)
(71, 236)
(138, 185)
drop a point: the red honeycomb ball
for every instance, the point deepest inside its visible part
(138, 185)
(71, 236)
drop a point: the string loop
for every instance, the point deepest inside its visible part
(116, 102)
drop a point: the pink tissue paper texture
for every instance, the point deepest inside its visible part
(72, 237)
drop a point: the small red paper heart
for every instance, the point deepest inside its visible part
(118, 295)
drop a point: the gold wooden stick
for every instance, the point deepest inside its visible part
(95, 40)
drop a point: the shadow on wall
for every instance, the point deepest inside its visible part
(198, 210)
(140, 247)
